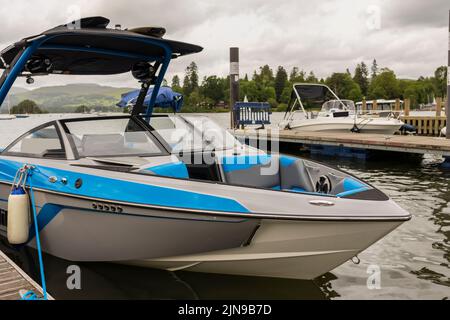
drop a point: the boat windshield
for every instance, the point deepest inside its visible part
(336, 105)
(101, 137)
(192, 133)
(214, 137)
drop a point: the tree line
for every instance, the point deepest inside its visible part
(267, 85)
(211, 94)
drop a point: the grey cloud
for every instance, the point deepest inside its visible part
(325, 36)
(414, 13)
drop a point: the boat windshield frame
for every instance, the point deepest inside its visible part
(340, 105)
(152, 134)
(198, 133)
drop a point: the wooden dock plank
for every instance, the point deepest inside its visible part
(13, 279)
(399, 143)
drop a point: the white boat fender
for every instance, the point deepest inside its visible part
(18, 217)
(19, 220)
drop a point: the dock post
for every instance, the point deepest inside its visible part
(363, 106)
(374, 105)
(438, 106)
(234, 82)
(397, 107)
(407, 103)
(447, 109)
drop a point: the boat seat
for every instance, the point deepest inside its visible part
(289, 174)
(170, 169)
(349, 186)
(267, 171)
(295, 175)
(251, 170)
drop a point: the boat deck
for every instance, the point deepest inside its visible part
(13, 279)
(397, 143)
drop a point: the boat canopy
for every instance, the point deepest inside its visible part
(87, 47)
(166, 98)
(316, 92)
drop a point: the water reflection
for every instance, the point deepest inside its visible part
(114, 281)
(415, 257)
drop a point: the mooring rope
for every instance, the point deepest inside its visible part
(25, 173)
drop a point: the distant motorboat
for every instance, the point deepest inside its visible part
(384, 108)
(7, 116)
(22, 116)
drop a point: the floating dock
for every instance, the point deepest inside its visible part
(13, 279)
(359, 141)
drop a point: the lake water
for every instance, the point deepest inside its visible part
(413, 259)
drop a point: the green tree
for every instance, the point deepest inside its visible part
(384, 86)
(267, 94)
(374, 69)
(361, 77)
(286, 95)
(26, 106)
(176, 82)
(281, 79)
(296, 75)
(265, 76)
(418, 91)
(311, 78)
(440, 81)
(344, 86)
(82, 109)
(249, 89)
(194, 101)
(213, 88)
(190, 82)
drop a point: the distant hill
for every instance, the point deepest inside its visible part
(67, 98)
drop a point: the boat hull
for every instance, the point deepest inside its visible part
(285, 249)
(72, 230)
(378, 126)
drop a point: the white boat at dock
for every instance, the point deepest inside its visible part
(336, 115)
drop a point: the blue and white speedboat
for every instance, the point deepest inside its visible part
(174, 192)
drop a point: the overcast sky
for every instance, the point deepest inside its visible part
(408, 36)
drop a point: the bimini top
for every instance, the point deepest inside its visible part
(311, 91)
(87, 47)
